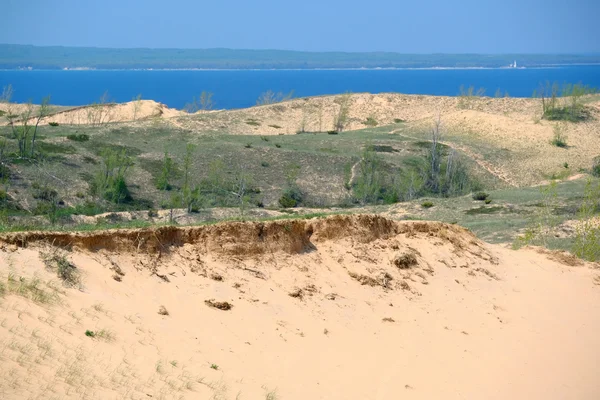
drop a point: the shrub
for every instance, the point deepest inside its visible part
(427, 204)
(89, 333)
(277, 145)
(370, 121)
(78, 137)
(398, 120)
(109, 183)
(488, 201)
(64, 269)
(291, 197)
(559, 139)
(264, 164)
(596, 166)
(480, 196)
(332, 132)
(563, 103)
(53, 123)
(248, 145)
(45, 194)
(169, 171)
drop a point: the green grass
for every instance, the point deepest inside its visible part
(513, 211)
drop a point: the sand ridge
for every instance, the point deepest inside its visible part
(357, 307)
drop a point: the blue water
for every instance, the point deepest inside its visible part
(237, 89)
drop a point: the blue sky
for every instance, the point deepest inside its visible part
(419, 26)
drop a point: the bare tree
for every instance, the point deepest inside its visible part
(43, 111)
(99, 113)
(341, 119)
(137, 106)
(435, 154)
(270, 97)
(6, 96)
(204, 102)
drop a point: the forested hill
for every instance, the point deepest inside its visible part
(21, 56)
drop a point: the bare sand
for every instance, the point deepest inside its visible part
(346, 307)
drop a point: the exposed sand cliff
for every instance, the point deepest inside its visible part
(354, 307)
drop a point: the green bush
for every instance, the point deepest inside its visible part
(53, 123)
(332, 132)
(290, 198)
(488, 201)
(109, 183)
(82, 137)
(559, 139)
(398, 120)
(427, 204)
(480, 196)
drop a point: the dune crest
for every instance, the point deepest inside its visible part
(339, 307)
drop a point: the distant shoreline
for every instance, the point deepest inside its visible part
(13, 57)
(75, 69)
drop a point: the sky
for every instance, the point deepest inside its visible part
(417, 26)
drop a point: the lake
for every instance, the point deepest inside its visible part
(241, 88)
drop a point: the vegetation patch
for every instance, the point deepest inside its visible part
(56, 148)
(33, 289)
(481, 196)
(484, 210)
(57, 261)
(81, 137)
(370, 121)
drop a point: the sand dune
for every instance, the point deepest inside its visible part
(340, 308)
(101, 114)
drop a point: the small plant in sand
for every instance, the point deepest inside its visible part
(560, 138)
(57, 261)
(33, 289)
(162, 310)
(214, 366)
(427, 204)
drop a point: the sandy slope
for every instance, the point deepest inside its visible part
(101, 114)
(466, 321)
